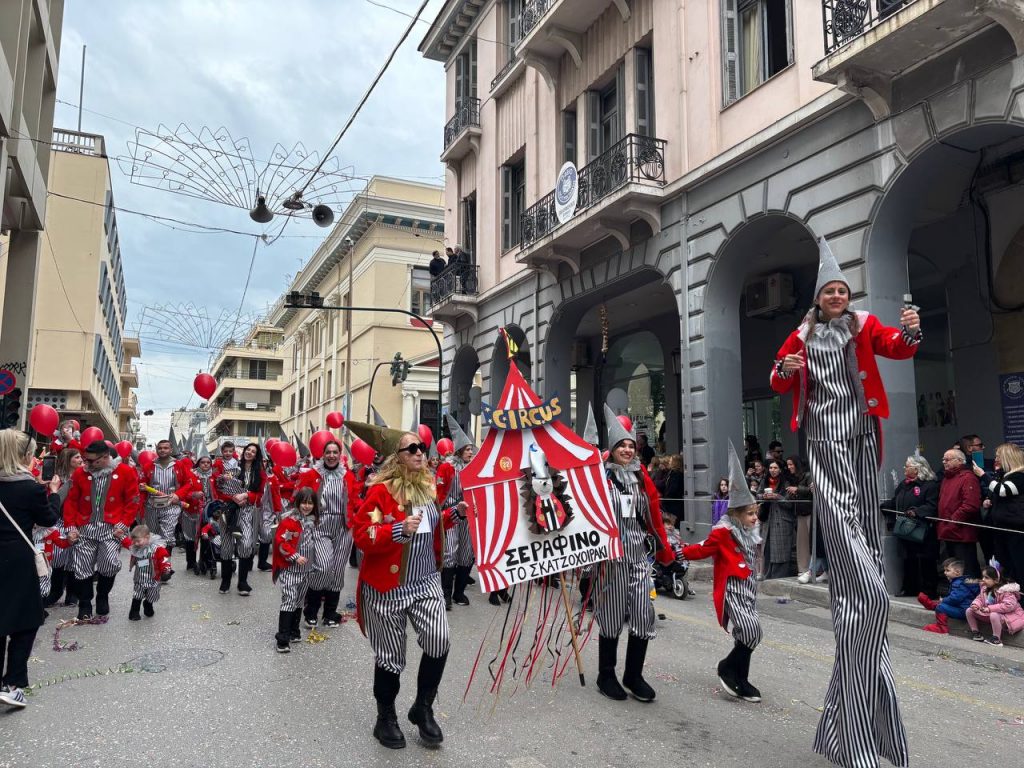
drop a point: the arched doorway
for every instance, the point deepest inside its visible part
(464, 376)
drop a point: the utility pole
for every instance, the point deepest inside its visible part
(348, 342)
(81, 91)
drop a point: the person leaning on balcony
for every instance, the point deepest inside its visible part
(437, 264)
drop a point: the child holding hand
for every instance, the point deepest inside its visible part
(293, 563)
(149, 561)
(998, 604)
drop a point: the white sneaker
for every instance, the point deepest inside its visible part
(805, 577)
(822, 578)
(13, 696)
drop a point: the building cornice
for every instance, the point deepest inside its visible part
(449, 27)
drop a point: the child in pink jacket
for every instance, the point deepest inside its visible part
(998, 604)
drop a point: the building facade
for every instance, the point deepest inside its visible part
(375, 256)
(80, 359)
(246, 406)
(715, 143)
(29, 50)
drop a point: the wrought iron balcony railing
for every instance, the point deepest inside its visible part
(512, 61)
(533, 12)
(467, 113)
(635, 158)
(844, 20)
(456, 279)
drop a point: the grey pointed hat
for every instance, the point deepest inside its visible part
(590, 433)
(828, 269)
(459, 438)
(739, 489)
(378, 420)
(616, 432)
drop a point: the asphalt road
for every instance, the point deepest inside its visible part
(205, 688)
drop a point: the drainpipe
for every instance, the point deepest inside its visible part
(689, 475)
(538, 378)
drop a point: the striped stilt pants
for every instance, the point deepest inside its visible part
(385, 614)
(293, 581)
(332, 545)
(96, 551)
(624, 590)
(458, 548)
(248, 522)
(861, 717)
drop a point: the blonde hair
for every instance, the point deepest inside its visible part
(139, 531)
(15, 447)
(405, 485)
(1011, 457)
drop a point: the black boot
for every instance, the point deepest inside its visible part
(57, 578)
(263, 565)
(313, 599)
(447, 585)
(133, 614)
(244, 567)
(422, 712)
(147, 609)
(103, 586)
(493, 599)
(586, 598)
(607, 682)
(84, 598)
(385, 690)
(633, 679)
(72, 594)
(461, 580)
(190, 557)
(331, 616)
(747, 691)
(284, 632)
(227, 568)
(294, 631)
(729, 671)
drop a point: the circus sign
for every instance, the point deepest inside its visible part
(537, 494)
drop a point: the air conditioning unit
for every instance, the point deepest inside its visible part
(769, 295)
(580, 355)
(251, 406)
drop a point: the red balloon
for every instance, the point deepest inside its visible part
(283, 454)
(445, 446)
(124, 449)
(44, 419)
(426, 436)
(335, 420)
(91, 435)
(362, 451)
(319, 441)
(146, 458)
(109, 444)
(77, 425)
(269, 445)
(625, 421)
(204, 385)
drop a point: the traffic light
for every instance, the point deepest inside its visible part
(10, 409)
(399, 369)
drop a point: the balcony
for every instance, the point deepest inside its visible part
(132, 346)
(616, 188)
(462, 133)
(507, 75)
(868, 43)
(129, 406)
(129, 375)
(218, 412)
(78, 143)
(453, 294)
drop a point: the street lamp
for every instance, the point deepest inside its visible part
(313, 300)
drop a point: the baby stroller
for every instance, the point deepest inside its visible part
(209, 548)
(671, 578)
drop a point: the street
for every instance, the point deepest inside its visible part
(201, 685)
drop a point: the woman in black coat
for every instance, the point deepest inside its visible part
(1006, 492)
(918, 497)
(21, 610)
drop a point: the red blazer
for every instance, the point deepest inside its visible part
(312, 479)
(56, 446)
(872, 339)
(54, 539)
(161, 559)
(121, 507)
(285, 484)
(728, 559)
(218, 470)
(445, 477)
(274, 486)
(286, 543)
(656, 528)
(383, 565)
(186, 481)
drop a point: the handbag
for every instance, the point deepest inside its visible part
(910, 529)
(42, 567)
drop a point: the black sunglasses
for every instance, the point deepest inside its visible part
(413, 448)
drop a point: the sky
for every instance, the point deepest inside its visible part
(272, 72)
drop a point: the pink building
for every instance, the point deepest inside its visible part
(713, 144)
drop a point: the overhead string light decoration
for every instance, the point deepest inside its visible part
(189, 325)
(215, 166)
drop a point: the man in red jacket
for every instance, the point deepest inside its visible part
(959, 502)
(101, 507)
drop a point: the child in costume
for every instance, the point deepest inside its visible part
(954, 605)
(732, 546)
(293, 563)
(47, 540)
(998, 604)
(149, 561)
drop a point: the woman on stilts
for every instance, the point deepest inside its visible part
(623, 587)
(829, 364)
(458, 548)
(401, 531)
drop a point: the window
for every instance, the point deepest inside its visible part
(606, 116)
(465, 76)
(569, 136)
(330, 385)
(469, 226)
(330, 333)
(514, 28)
(756, 44)
(419, 300)
(428, 412)
(295, 355)
(302, 404)
(346, 316)
(644, 93)
(258, 369)
(292, 404)
(513, 196)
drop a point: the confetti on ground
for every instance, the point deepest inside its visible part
(196, 607)
(73, 646)
(315, 637)
(235, 623)
(667, 677)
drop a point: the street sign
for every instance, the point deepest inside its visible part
(8, 381)
(567, 192)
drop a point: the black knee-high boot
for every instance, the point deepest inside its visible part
(263, 564)
(447, 585)
(284, 631)
(57, 578)
(244, 567)
(84, 598)
(633, 679)
(461, 580)
(190, 557)
(294, 632)
(607, 682)
(103, 586)
(422, 712)
(227, 568)
(71, 598)
(313, 599)
(729, 670)
(385, 690)
(331, 616)
(133, 613)
(747, 691)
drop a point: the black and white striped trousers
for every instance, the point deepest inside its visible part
(248, 523)
(190, 524)
(161, 519)
(861, 717)
(294, 582)
(623, 589)
(96, 551)
(741, 611)
(268, 524)
(332, 545)
(458, 547)
(384, 618)
(144, 587)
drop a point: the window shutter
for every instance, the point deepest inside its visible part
(620, 103)
(506, 208)
(471, 74)
(644, 93)
(514, 19)
(593, 124)
(730, 64)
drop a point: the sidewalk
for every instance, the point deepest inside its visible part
(904, 610)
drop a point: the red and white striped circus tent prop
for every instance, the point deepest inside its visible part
(493, 480)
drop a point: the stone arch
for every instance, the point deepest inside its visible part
(465, 365)
(500, 362)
